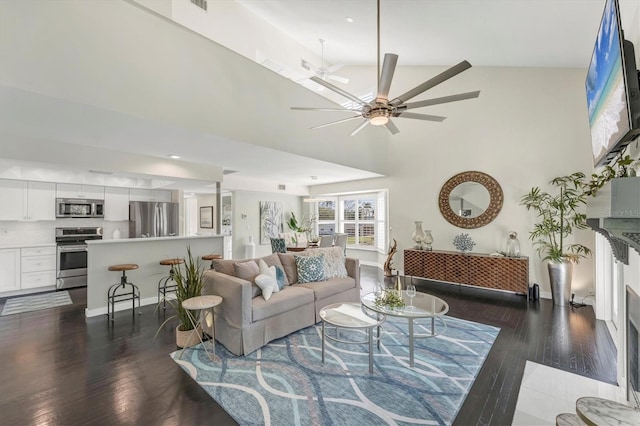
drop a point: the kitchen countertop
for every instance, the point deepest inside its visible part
(152, 239)
(14, 246)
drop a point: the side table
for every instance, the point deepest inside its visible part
(200, 303)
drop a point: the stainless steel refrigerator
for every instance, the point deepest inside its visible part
(151, 219)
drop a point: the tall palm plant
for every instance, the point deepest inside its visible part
(559, 215)
(189, 279)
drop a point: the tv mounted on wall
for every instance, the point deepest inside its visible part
(613, 89)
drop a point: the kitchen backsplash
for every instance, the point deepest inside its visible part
(43, 232)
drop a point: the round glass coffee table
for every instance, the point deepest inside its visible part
(422, 305)
(351, 315)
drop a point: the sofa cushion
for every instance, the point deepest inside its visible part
(310, 268)
(291, 297)
(330, 287)
(248, 271)
(334, 260)
(274, 260)
(288, 262)
(224, 266)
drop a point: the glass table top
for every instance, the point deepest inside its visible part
(348, 315)
(422, 305)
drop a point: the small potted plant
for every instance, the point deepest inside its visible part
(189, 279)
(559, 214)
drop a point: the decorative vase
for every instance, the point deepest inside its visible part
(188, 338)
(250, 249)
(560, 275)
(513, 245)
(427, 240)
(418, 235)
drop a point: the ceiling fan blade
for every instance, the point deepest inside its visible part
(392, 127)
(442, 100)
(339, 79)
(324, 109)
(307, 65)
(444, 76)
(338, 90)
(360, 127)
(388, 68)
(336, 122)
(420, 116)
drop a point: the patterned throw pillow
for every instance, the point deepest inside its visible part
(334, 261)
(310, 268)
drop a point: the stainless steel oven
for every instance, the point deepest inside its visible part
(71, 265)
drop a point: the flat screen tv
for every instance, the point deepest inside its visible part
(613, 92)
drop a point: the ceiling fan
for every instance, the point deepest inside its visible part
(323, 72)
(381, 110)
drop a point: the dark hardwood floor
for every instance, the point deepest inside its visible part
(60, 368)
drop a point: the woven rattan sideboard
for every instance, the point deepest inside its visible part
(475, 269)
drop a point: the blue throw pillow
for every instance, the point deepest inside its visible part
(310, 268)
(280, 277)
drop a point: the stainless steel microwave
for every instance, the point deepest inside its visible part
(66, 207)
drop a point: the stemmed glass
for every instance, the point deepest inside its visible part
(411, 293)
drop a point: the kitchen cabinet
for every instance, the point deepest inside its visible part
(37, 267)
(160, 195)
(23, 200)
(89, 192)
(116, 203)
(9, 270)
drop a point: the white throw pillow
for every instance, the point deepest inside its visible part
(270, 272)
(267, 284)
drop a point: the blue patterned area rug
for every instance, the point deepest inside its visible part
(285, 382)
(19, 305)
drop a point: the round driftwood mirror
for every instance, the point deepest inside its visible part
(470, 199)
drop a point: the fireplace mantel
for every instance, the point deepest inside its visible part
(615, 213)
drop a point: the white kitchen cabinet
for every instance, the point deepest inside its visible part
(38, 267)
(9, 270)
(136, 194)
(23, 200)
(116, 203)
(88, 192)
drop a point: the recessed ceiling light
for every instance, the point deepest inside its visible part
(349, 19)
(174, 156)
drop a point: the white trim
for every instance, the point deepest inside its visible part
(120, 306)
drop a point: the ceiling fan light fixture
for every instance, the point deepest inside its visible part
(379, 117)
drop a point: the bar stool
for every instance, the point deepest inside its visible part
(113, 295)
(211, 257)
(164, 286)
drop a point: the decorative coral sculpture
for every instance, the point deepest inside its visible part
(463, 242)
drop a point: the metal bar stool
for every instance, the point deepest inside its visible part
(211, 257)
(164, 286)
(118, 293)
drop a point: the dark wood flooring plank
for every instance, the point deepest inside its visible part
(61, 368)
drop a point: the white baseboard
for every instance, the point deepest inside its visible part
(120, 306)
(587, 300)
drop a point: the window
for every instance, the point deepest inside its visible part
(361, 216)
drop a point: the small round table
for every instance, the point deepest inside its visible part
(350, 315)
(422, 305)
(200, 303)
(599, 411)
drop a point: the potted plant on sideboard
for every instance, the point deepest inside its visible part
(189, 279)
(559, 214)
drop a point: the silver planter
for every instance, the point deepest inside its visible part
(560, 275)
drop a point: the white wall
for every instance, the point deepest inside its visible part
(246, 218)
(528, 126)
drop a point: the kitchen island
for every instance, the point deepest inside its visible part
(146, 253)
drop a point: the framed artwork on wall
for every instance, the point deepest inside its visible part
(271, 217)
(206, 217)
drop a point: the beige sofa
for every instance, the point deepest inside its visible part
(245, 321)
